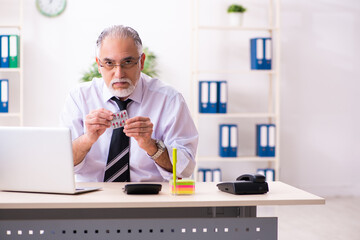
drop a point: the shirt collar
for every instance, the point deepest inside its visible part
(136, 96)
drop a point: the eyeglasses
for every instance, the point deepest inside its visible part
(126, 63)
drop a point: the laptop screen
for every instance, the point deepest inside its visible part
(36, 159)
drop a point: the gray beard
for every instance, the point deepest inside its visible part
(121, 93)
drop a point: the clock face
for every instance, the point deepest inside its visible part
(51, 8)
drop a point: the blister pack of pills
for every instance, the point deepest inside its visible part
(119, 119)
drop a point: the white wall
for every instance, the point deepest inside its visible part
(320, 81)
(319, 122)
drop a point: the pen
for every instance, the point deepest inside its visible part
(174, 168)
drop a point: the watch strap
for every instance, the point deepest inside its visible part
(160, 149)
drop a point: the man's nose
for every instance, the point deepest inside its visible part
(119, 72)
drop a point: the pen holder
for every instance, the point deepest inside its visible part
(183, 187)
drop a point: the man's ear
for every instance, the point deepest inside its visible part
(142, 60)
(98, 63)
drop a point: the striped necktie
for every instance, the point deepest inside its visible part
(117, 167)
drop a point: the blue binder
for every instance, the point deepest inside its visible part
(208, 177)
(4, 95)
(208, 97)
(224, 141)
(4, 51)
(233, 141)
(216, 175)
(228, 140)
(260, 53)
(201, 175)
(203, 97)
(271, 140)
(261, 171)
(265, 140)
(261, 140)
(222, 96)
(269, 173)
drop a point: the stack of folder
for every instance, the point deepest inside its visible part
(9, 51)
(265, 140)
(228, 142)
(212, 96)
(269, 173)
(4, 95)
(209, 175)
(260, 53)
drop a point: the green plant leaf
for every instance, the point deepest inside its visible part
(236, 8)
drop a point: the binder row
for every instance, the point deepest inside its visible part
(260, 53)
(4, 95)
(209, 175)
(269, 173)
(9, 51)
(265, 140)
(213, 96)
(228, 144)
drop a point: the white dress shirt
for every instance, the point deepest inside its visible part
(151, 98)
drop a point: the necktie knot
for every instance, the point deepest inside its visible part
(122, 104)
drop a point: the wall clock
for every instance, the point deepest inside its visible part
(51, 8)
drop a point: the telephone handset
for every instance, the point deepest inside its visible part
(246, 184)
(256, 178)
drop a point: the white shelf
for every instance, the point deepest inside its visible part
(6, 28)
(235, 72)
(5, 70)
(237, 115)
(226, 28)
(236, 159)
(10, 26)
(272, 114)
(10, 115)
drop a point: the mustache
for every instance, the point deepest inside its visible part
(121, 80)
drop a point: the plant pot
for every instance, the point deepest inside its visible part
(236, 18)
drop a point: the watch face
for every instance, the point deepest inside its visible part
(160, 144)
(51, 8)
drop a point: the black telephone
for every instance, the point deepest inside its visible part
(246, 184)
(256, 178)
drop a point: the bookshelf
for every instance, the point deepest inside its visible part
(207, 19)
(13, 25)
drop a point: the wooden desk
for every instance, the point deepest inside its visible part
(111, 214)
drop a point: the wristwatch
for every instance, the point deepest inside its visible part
(161, 148)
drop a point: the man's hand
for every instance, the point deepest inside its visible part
(141, 129)
(96, 122)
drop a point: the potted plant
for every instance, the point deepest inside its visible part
(149, 67)
(236, 13)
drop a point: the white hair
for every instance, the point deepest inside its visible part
(119, 31)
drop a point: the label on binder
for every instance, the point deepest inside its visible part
(268, 49)
(233, 137)
(223, 92)
(225, 137)
(259, 50)
(213, 92)
(13, 46)
(4, 47)
(4, 92)
(204, 94)
(271, 136)
(263, 136)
